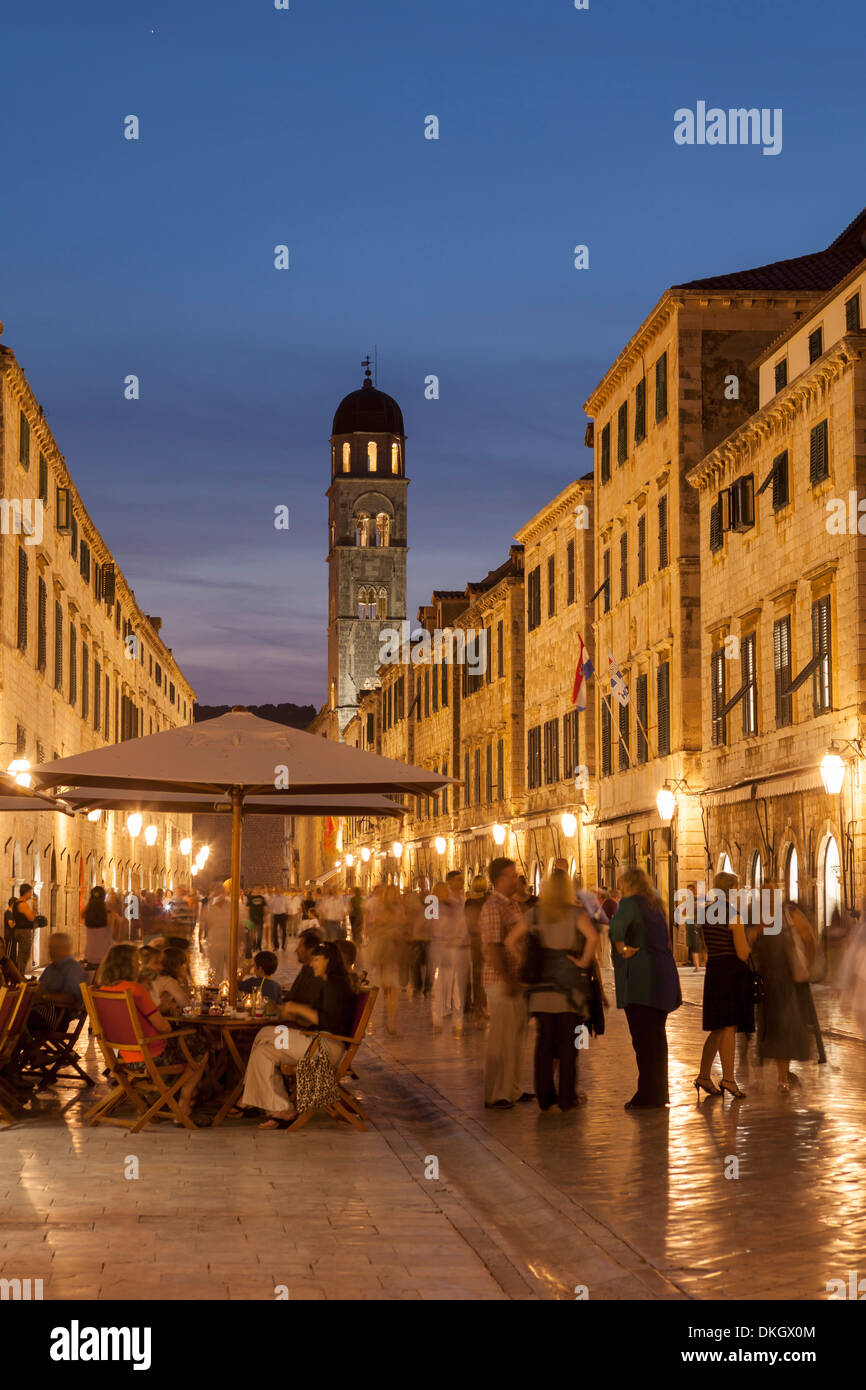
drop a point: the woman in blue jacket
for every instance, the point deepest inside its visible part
(647, 983)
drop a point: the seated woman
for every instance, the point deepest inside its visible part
(171, 988)
(334, 1012)
(151, 968)
(119, 971)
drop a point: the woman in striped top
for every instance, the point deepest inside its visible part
(728, 1006)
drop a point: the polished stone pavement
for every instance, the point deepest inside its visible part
(623, 1205)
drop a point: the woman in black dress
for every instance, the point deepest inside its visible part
(728, 995)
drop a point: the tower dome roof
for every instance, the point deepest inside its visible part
(368, 411)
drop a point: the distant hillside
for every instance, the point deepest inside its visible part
(296, 716)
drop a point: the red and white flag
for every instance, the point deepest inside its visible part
(581, 676)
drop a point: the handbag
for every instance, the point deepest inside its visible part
(756, 983)
(316, 1080)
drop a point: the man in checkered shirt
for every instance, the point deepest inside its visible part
(503, 1061)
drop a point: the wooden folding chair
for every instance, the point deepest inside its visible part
(347, 1107)
(16, 1001)
(53, 1056)
(116, 1024)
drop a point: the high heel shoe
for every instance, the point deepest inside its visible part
(732, 1089)
(705, 1083)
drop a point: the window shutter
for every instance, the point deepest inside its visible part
(73, 536)
(852, 314)
(41, 625)
(605, 740)
(58, 647)
(23, 567)
(662, 387)
(605, 453)
(780, 481)
(821, 679)
(641, 548)
(663, 701)
(500, 770)
(642, 717)
(818, 463)
(97, 694)
(43, 479)
(716, 533)
(623, 565)
(85, 681)
(569, 552)
(73, 666)
(605, 564)
(747, 670)
(551, 585)
(63, 518)
(108, 585)
(781, 374)
(24, 441)
(624, 759)
(640, 411)
(782, 670)
(816, 344)
(663, 532)
(622, 433)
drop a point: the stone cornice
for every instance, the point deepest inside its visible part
(555, 512)
(776, 419)
(652, 326)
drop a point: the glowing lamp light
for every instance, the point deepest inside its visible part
(499, 834)
(350, 859)
(150, 835)
(832, 773)
(397, 849)
(93, 815)
(440, 844)
(365, 854)
(203, 853)
(133, 824)
(194, 869)
(667, 804)
(185, 845)
(19, 768)
(569, 824)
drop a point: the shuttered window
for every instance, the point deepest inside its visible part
(84, 561)
(780, 481)
(822, 685)
(551, 751)
(642, 711)
(852, 314)
(718, 697)
(748, 673)
(605, 740)
(640, 411)
(58, 647)
(662, 388)
(663, 704)
(23, 440)
(488, 767)
(623, 565)
(434, 693)
(605, 454)
(624, 746)
(477, 779)
(641, 549)
(97, 694)
(816, 344)
(500, 770)
(622, 433)
(663, 532)
(819, 464)
(500, 649)
(43, 479)
(782, 670)
(533, 598)
(41, 624)
(717, 535)
(73, 666)
(605, 574)
(533, 759)
(551, 585)
(73, 536)
(780, 373)
(445, 669)
(107, 710)
(23, 569)
(569, 572)
(466, 784)
(570, 750)
(85, 681)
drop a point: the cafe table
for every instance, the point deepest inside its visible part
(223, 1033)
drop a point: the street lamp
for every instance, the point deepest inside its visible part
(441, 844)
(667, 804)
(569, 824)
(203, 853)
(185, 845)
(133, 824)
(150, 835)
(365, 855)
(350, 859)
(499, 834)
(396, 849)
(19, 768)
(93, 815)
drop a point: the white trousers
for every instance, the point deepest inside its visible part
(264, 1086)
(450, 969)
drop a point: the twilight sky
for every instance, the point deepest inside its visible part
(454, 257)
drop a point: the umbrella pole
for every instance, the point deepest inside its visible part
(237, 803)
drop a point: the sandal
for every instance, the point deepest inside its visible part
(275, 1123)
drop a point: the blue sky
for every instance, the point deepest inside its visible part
(452, 257)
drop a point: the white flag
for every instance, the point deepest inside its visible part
(618, 687)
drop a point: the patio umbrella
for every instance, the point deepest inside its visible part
(190, 803)
(238, 755)
(35, 803)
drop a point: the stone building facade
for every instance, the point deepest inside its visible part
(783, 584)
(559, 744)
(81, 665)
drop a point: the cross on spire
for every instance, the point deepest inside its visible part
(366, 365)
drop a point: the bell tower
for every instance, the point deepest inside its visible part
(366, 540)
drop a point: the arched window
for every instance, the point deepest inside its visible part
(792, 875)
(381, 605)
(383, 529)
(831, 883)
(372, 456)
(725, 866)
(347, 457)
(756, 871)
(362, 529)
(395, 458)
(363, 603)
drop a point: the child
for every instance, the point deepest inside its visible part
(264, 966)
(151, 968)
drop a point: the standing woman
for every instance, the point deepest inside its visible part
(559, 996)
(477, 897)
(647, 983)
(728, 1006)
(99, 936)
(387, 949)
(449, 960)
(786, 1015)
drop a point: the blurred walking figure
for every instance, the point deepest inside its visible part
(356, 915)
(647, 983)
(559, 995)
(728, 1005)
(449, 959)
(100, 929)
(278, 906)
(787, 1023)
(475, 900)
(420, 931)
(388, 949)
(506, 1036)
(852, 977)
(696, 945)
(23, 914)
(216, 924)
(294, 907)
